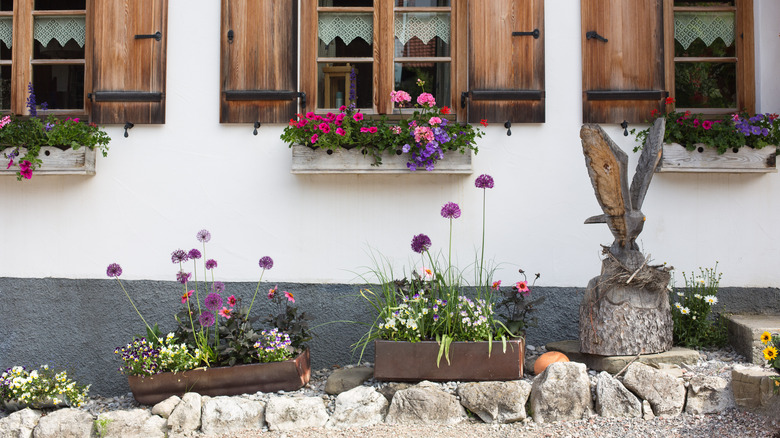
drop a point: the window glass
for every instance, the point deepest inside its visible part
(60, 86)
(703, 3)
(422, 34)
(51, 5)
(422, 3)
(345, 35)
(345, 3)
(435, 74)
(5, 87)
(345, 84)
(6, 5)
(706, 84)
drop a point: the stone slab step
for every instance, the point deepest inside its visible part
(613, 364)
(745, 334)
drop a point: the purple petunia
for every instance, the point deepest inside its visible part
(203, 236)
(211, 264)
(266, 262)
(421, 243)
(114, 270)
(484, 181)
(213, 301)
(450, 210)
(194, 254)
(218, 286)
(206, 319)
(183, 277)
(179, 256)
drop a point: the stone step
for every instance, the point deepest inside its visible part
(613, 364)
(745, 334)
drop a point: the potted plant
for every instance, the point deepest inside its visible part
(436, 327)
(49, 145)
(349, 142)
(42, 388)
(739, 143)
(216, 349)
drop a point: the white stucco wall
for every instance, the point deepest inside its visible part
(161, 185)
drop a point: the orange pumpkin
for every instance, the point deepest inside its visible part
(546, 359)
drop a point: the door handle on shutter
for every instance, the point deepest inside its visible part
(534, 33)
(593, 34)
(157, 36)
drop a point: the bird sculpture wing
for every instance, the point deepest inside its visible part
(648, 161)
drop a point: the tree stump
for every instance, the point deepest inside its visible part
(619, 317)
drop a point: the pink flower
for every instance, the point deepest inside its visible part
(325, 128)
(272, 292)
(340, 117)
(340, 131)
(496, 285)
(696, 123)
(314, 138)
(232, 300)
(734, 117)
(310, 115)
(289, 296)
(225, 312)
(5, 120)
(400, 96)
(423, 133)
(426, 99)
(395, 129)
(426, 274)
(10, 163)
(342, 108)
(26, 173)
(707, 124)
(372, 129)
(301, 123)
(186, 296)
(434, 120)
(357, 116)
(364, 129)
(522, 287)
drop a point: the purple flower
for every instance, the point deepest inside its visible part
(484, 181)
(48, 126)
(421, 243)
(218, 287)
(450, 211)
(183, 277)
(179, 256)
(31, 100)
(114, 270)
(755, 130)
(206, 319)
(194, 254)
(203, 236)
(266, 262)
(211, 264)
(213, 301)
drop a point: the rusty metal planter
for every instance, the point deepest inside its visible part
(288, 375)
(415, 361)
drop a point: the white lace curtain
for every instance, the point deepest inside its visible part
(46, 29)
(709, 26)
(348, 27)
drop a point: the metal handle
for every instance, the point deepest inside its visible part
(157, 36)
(593, 34)
(535, 33)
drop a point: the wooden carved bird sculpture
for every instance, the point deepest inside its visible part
(607, 168)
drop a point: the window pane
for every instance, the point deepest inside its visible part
(6, 30)
(54, 50)
(422, 3)
(5, 87)
(342, 84)
(59, 37)
(435, 74)
(709, 29)
(60, 86)
(706, 85)
(345, 35)
(422, 34)
(346, 3)
(703, 3)
(6, 5)
(52, 5)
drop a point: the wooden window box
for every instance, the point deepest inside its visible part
(705, 159)
(56, 161)
(306, 160)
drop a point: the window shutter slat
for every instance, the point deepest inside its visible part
(622, 77)
(259, 48)
(127, 73)
(506, 71)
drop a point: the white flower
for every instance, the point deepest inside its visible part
(680, 294)
(678, 306)
(693, 317)
(697, 296)
(712, 299)
(685, 310)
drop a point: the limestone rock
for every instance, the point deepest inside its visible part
(647, 411)
(223, 414)
(665, 393)
(496, 402)
(709, 395)
(614, 400)
(165, 407)
(359, 407)
(186, 416)
(561, 393)
(64, 423)
(347, 378)
(19, 424)
(134, 423)
(290, 413)
(671, 369)
(390, 389)
(425, 403)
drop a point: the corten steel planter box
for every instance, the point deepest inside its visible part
(288, 375)
(416, 361)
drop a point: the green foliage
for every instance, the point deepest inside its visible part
(694, 324)
(237, 339)
(101, 426)
(516, 308)
(39, 386)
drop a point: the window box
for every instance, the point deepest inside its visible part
(704, 159)
(57, 161)
(306, 160)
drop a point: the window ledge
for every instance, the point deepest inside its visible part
(57, 161)
(306, 160)
(705, 159)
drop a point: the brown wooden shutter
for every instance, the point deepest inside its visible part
(622, 77)
(259, 48)
(506, 71)
(127, 72)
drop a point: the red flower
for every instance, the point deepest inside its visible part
(445, 110)
(186, 296)
(654, 113)
(669, 100)
(232, 300)
(483, 122)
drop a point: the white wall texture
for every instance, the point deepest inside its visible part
(161, 185)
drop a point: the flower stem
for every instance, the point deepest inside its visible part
(482, 255)
(255, 295)
(134, 307)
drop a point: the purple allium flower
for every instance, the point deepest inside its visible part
(213, 301)
(179, 256)
(218, 287)
(450, 210)
(211, 264)
(203, 236)
(114, 270)
(194, 254)
(421, 243)
(206, 319)
(484, 181)
(266, 262)
(183, 277)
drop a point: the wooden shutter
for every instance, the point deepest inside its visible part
(127, 70)
(622, 77)
(505, 71)
(258, 73)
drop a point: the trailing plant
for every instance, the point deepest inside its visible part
(694, 323)
(40, 386)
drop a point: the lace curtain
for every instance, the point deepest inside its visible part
(423, 26)
(709, 26)
(348, 27)
(6, 30)
(46, 29)
(345, 26)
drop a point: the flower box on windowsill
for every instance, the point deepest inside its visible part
(57, 161)
(705, 159)
(307, 160)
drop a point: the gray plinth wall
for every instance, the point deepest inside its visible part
(77, 324)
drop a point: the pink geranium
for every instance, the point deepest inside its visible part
(400, 97)
(434, 120)
(426, 99)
